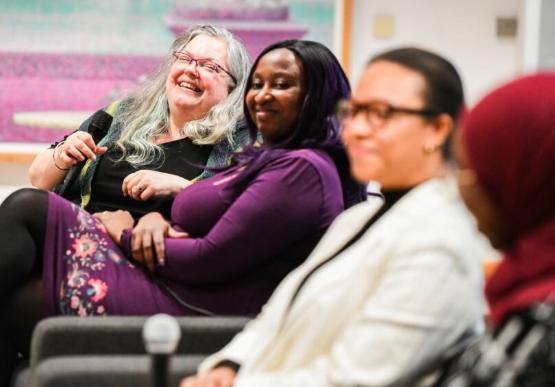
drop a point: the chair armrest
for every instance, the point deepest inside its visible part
(117, 335)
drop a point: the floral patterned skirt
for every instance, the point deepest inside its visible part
(86, 274)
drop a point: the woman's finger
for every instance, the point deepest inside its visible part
(147, 251)
(86, 151)
(129, 182)
(100, 150)
(136, 247)
(136, 191)
(66, 159)
(73, 152)
(146, 192)
(159, 246)
(125, 184)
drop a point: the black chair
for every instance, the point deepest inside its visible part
(109, 351)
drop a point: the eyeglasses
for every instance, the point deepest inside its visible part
(377, 113)
(205, 64)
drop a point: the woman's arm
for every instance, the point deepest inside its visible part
(44, 172)
(145, 184)
(283, 204)
(50, 166)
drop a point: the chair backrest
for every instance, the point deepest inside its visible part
(68, 336)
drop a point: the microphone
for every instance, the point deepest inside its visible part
(161, 334)
(100, 123)
(98, 128)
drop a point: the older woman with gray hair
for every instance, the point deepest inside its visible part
(183, 120)
(180, 122)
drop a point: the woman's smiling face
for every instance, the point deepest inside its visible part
(391, 153)
(191, 92)
(275, 95)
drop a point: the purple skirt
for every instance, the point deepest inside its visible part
(86, 274)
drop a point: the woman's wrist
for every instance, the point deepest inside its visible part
(184, 184)
(180, 186)
(56, 149)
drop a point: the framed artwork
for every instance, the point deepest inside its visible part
(62, 60)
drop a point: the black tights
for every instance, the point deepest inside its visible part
(22, 231)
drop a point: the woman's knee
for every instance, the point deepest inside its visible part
(26, 206)
(24, 197)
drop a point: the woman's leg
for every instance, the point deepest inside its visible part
(21, 312)
(22, 231)
(18, 316)
(8, 358)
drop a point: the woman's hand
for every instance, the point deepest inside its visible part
(77, 147)
(217, 377)
(147, 240)
(144, 184)
(115, 222)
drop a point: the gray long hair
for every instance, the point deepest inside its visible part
(144, 114)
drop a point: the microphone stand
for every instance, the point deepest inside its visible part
(161, 334)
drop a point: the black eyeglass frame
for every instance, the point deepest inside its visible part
(177, 56)
(346, 105)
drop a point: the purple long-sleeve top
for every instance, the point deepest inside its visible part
(243, 243)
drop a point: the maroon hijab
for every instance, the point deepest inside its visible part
(510, 141)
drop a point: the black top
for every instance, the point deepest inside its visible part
(390, 198)
(182, 158)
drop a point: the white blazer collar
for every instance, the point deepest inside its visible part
(351, 221)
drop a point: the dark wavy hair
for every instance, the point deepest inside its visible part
(316, 126)
(444, 89)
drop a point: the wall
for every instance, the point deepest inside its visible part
(463, 31)
(65, 56)
(15, 159)
(547, 35)
(13, 176)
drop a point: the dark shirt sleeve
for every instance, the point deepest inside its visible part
(281, 205)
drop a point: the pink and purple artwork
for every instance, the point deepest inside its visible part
(76, 56)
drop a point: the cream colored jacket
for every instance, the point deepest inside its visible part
(380, 312)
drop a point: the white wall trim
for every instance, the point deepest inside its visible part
(530, 35)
